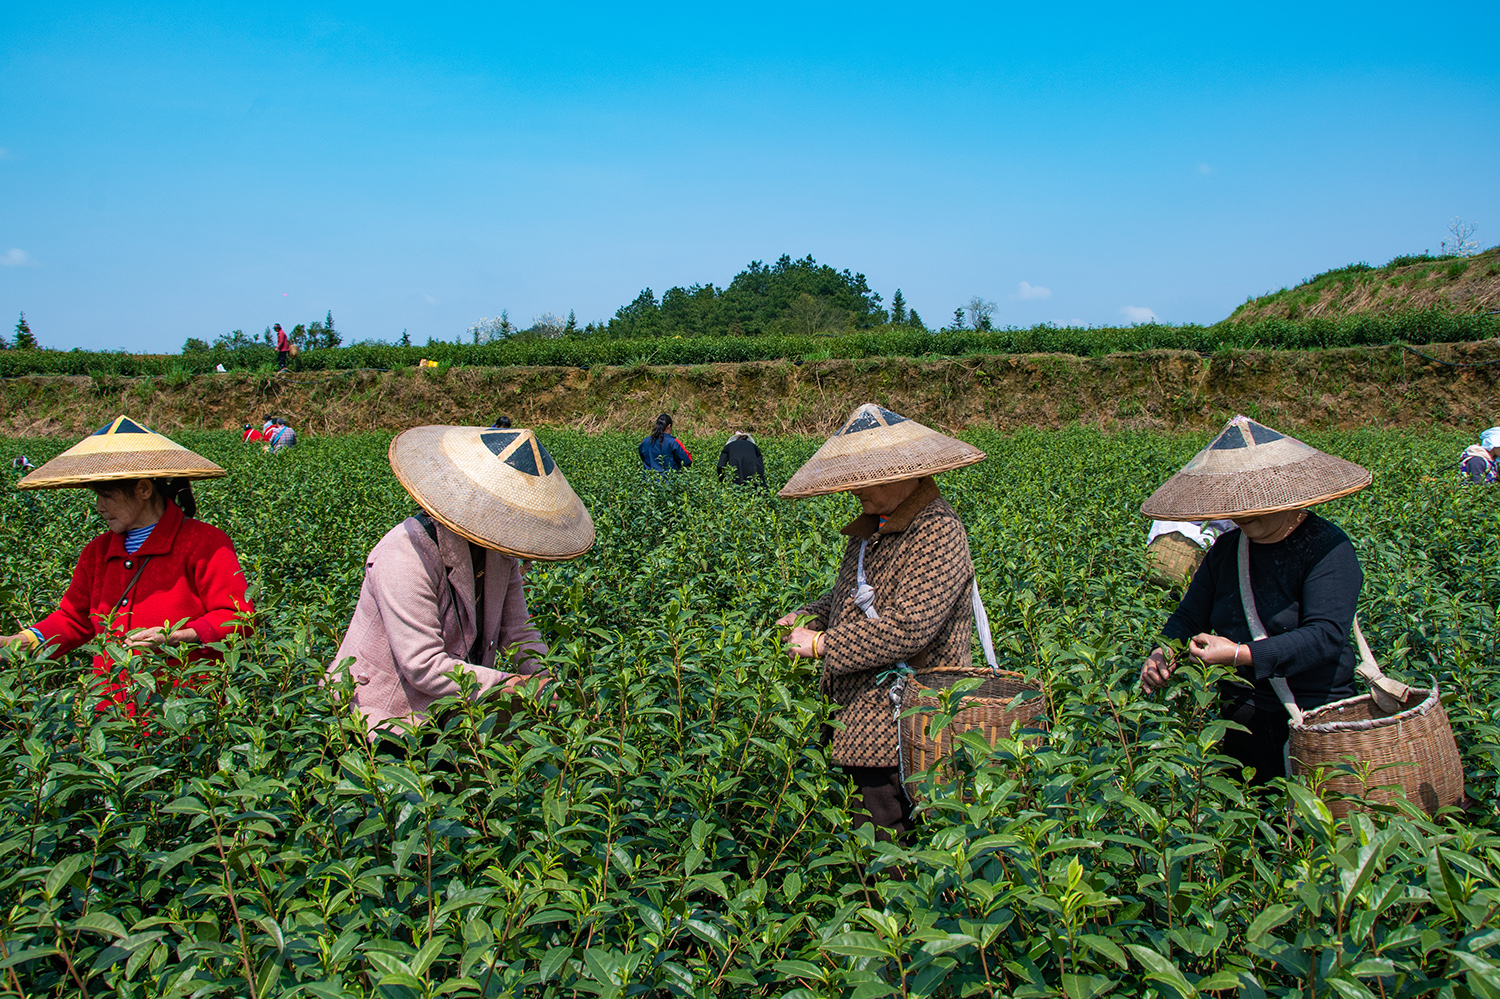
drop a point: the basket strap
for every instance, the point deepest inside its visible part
(1395, 693)
(1258, 631)
(1247, 595)
(864, 598)
(1284, 694)
(1390, 695)
(864, 593)
(982, 626)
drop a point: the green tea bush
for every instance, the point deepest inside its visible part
(671, 826)
(890, 341)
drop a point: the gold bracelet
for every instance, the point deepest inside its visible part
(817, 648)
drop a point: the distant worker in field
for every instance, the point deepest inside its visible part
(281, 436)
(501, 423)
(661, 452)
(1479, 461)
(158, 580)
(283, 347)
(742, 455)
(251, 435)
(902, 599)
(442, 590)
(1287, 636)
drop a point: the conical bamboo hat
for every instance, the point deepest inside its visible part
(1249, 470)
(497, 488)
(120, 450)
(875, 446)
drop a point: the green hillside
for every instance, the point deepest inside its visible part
(1416, 282)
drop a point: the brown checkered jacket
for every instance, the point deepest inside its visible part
(919, 566)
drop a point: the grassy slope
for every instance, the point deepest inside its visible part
(1155, 390)
(1464, 285)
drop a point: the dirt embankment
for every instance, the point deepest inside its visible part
(1163, 390)
(1453, 284)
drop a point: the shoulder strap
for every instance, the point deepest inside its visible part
(1390, 694)
(864, 598)
(982, 627)
(136, 578)
(1258, 630)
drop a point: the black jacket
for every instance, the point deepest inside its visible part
(744, 455)
(1306, 588)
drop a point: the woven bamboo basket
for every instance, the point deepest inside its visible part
(992, 709)
(1412, 750)
(1173, 559)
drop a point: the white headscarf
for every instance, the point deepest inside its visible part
(1490, 438)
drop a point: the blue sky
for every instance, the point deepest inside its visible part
(175, 170)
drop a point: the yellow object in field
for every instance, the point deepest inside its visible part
(425, 363)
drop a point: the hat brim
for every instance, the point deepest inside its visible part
(465, 486)
(876, 446)
(76, 471)
(885, 465)
(1319, 478)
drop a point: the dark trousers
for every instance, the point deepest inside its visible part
(1263, 747)
(884, 800)
(281, 356)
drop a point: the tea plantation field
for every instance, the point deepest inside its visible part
(669, 826)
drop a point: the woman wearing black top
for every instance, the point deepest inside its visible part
(1303, 574)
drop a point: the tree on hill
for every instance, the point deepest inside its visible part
(1461, 245)
(898, 308)
(760, 299)
(193, 345)
(958, 318)
(981, 314)
(915, 322)
(25, 339)
(331, 338)
(233, 340)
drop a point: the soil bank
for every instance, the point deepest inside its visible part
(1158, 390)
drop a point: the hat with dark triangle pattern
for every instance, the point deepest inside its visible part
(875, 446)
(121, 450)
(498, 488)
(1249, 470)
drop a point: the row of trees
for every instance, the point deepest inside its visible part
(320, 333)
(789, 297)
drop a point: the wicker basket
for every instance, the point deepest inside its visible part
(992, 709)
(1173, 558)
(1412, 749)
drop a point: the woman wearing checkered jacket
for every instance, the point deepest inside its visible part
(902, 596)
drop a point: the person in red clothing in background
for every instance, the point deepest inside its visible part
(251, 435)
(158, 579)
(283, 347)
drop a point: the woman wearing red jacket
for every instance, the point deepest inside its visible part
(157, 579)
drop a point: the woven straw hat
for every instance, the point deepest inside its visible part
(121, 450)
(1249, 470)
(876, 446)
(497, 488)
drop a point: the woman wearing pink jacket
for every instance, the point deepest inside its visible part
(442, 590)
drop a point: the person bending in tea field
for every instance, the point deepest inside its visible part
(902, 597)
(661, 452)
(1478, 462)
(442, 590)
(1291, 627)
(741, 455)
(158, 578)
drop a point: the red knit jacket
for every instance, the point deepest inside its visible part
(191, 572)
